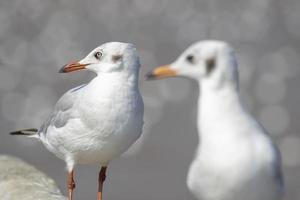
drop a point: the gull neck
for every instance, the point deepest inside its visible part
(217, 107)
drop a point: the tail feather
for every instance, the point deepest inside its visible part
(25, 132)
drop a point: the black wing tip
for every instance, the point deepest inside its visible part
(30, 131)
(16, 133)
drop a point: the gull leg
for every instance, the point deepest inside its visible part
(102, 176)
(71, 184)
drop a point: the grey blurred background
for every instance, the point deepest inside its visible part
(37, 37)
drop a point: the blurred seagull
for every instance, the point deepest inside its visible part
(236, 159)
(97, 122)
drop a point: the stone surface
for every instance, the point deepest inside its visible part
(19, 180)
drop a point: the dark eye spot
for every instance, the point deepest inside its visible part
(210, 65)
(190, 59)
(98, 55)
(116, 58)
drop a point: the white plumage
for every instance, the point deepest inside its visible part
(94, 123)
(236, 159)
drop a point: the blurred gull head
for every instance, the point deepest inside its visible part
(209, 62)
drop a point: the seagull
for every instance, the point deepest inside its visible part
(96, 122)
(236, 159)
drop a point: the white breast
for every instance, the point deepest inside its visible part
(236, 159)
(240, 172)
(109, 120)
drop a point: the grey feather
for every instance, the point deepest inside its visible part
(277, 168)
(278, 175)
(62, 111)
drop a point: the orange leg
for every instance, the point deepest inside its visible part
(71, 185)
(102, 176)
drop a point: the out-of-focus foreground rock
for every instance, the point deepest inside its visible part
(19, 180)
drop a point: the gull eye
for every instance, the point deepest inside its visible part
(98, 55)
(190, 59)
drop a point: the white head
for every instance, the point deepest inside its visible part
(112, 57)
(209, 62)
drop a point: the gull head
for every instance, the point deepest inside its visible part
(208, 62)
(107, 58)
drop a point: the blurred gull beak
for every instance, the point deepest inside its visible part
(161, 72)
(74, 66)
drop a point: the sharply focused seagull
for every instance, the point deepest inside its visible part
(96, 122)
(236, 159)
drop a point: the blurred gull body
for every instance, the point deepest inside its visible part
(236, 159)
(97, 122)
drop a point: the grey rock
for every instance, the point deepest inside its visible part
(19, 180)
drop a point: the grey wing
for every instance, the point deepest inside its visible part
(277, 168)
(62, 110)
(276, 163)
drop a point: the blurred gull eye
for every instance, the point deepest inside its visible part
(98, 55)
(190, 59)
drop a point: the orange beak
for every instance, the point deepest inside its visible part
(161, 72)
(74, 66)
